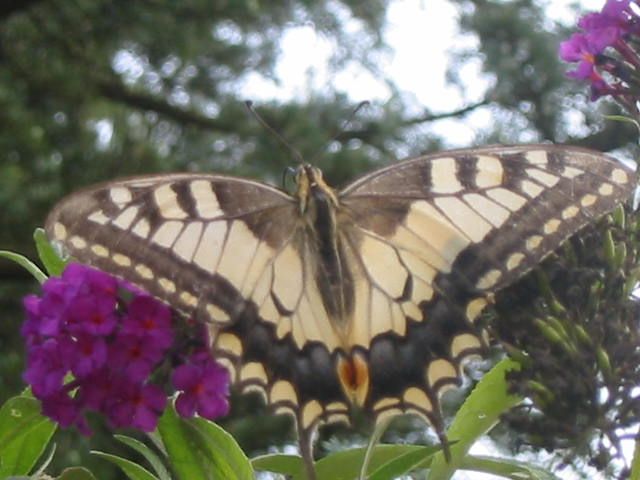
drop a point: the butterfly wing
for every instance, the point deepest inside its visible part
(437, 235)
(225, 250)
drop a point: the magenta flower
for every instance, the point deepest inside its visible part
(87, 354)
(134, 356)
(66, 411)
(579, 49)
(149, 320)
(92, 314)
(203, 386)
(606, 52)
(47, 366)
(606, 27)
(82, 280)
(97, 389)
(107, 348)
(138, 406)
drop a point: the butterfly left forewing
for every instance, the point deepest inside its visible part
(437, 235)
(227, 251)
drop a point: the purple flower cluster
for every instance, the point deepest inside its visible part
(199, 381)
(604, 50)
(90, 350)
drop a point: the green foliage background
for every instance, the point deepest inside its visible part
(164, 77)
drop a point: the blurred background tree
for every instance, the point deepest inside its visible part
(95, 89)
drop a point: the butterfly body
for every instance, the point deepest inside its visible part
(364, 296)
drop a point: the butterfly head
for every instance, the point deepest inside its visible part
(311, 188)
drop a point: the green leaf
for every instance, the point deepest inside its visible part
(48, 256)
(345, 465)
(186, 457)
(25, 263)
(221, 444)
(291, 465)
(200, 449)
(76, 473)
(477, 415)
(508, 468)
(148, 454)
(24, 435)
(47, 460)
(405, 463)
(131, 469)
(379, 430)
(635, 465)
(623, 119)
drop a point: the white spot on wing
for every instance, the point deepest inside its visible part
(551, 226)
(121, 260)
(463, 342)
(514, 260)
(144, 271)
(142, 228)
(537, 157)
(543, 177)
(59, 231)
(429, 224)
(444, 177)
(534, 242)
(239, 249)
(619, 175)
(99, 217)
(380, 318)
(205, 199)
(188, 241)
(126, 218)
(489, 279)
(415, 396)
(475, 307)
(288, 281)
(507, 198)
(489, 209)
(490, 172)
(570, 212)
(78, 242)
(571, 172)
(532, 189)
(588, 200)
(167, 202)
(382, 265)
(100, 250)
(210, 248)
(473, 225)
(120, 195)
(167, 233)
(439, 369)
(605, 189)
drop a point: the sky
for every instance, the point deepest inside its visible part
(410, 29)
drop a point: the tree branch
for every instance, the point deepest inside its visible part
(432, 117)
(119, 93)
(373, 129)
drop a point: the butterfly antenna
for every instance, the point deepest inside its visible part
(295, 153)
(342, 128)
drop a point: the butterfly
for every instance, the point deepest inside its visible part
(326, 299)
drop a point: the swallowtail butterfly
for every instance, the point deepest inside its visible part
(365, 296)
